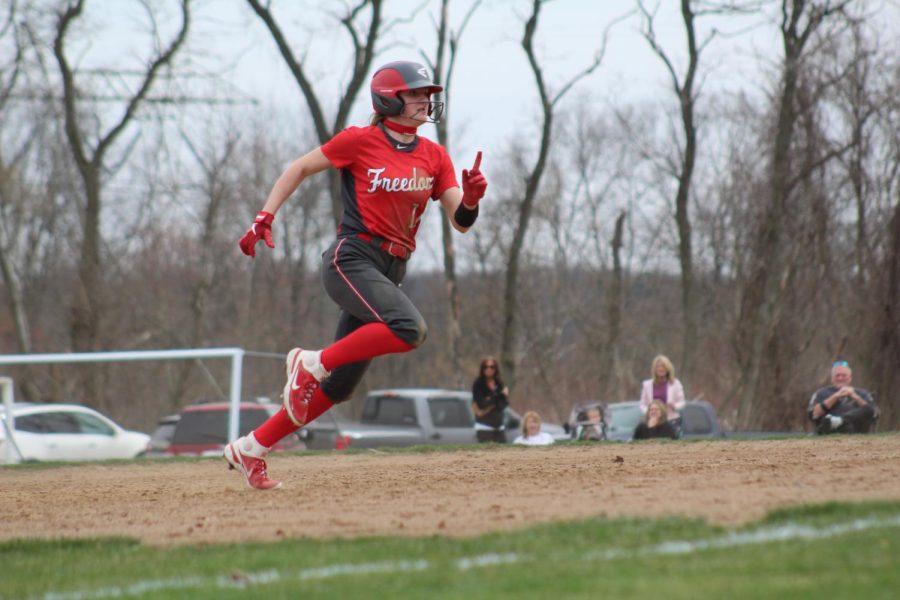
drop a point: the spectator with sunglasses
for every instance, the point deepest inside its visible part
(840, 407)
(489, 399)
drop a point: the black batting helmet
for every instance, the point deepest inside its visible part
(396, 77)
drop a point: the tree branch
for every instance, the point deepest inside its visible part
(322, 130)
(598, 59)
(363, 56)
(70, 94)
(161, 61)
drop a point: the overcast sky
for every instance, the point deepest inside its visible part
(492, 93)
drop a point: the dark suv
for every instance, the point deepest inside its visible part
(202, 428)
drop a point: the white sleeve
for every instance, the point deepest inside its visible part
(646, 395)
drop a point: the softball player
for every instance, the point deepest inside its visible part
(388, 175)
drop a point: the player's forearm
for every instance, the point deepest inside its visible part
(286, 185)
(451, 202)
(464, 217)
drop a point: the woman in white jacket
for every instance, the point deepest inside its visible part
(665, 387)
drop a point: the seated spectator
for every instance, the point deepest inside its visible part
(665, 387)
(656, 424)
(591, 427)
(841, 408)
(531, 431)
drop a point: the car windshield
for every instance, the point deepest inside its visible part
(211, 426)
(163, 433)
(450, 412)
(389, 410)
(624, 418)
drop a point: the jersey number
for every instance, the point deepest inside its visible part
(414, 218)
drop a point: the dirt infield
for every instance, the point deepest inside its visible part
(446, 493)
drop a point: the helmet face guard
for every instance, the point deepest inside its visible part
(434, 109)
(401, 76)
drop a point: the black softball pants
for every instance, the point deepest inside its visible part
(365, 282)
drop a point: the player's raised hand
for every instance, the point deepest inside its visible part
(261, 229)
(474, 184)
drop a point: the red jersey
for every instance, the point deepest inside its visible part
(386, 184)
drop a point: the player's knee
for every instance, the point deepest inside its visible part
(414, 333)
(339, 391)
(342, 382)
(411, 331)
(421, 333)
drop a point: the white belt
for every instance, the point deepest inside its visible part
(483, 427)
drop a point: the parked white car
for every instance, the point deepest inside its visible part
(51, 432)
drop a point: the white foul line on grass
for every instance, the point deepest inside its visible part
(781, 533)
(486, 560)
(787, 532)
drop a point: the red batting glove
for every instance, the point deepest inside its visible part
(260, 230)
(473, 183)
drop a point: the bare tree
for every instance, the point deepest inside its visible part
(442, 67)
(860, 107)
(364, 44)
(760, 303)
(683, 171)
(548, 102)
(90, 160)
(887, 344)
(35, 174)
(613, 308)
(597, 156)
(215, 188)
(886, 305)
(9, 74)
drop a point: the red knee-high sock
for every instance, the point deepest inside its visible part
(279, 425)
(319, 405)
(369, 341)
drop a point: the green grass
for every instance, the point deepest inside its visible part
(596, 558)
